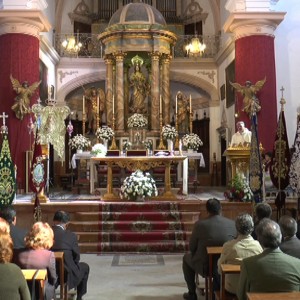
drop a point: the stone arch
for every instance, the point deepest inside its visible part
(197, 82)
(79, 82)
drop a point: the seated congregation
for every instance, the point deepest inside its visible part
(262, 256)
(35, 250)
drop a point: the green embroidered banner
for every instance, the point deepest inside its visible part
(7, 172)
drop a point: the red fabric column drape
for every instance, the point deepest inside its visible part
(254, 60)
(19, 56)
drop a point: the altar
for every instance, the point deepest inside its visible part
(132, 163)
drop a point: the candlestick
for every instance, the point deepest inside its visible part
(190, 103)
(98, 104)
(113, 104)
(160, 104)
(83, 104)
(176, 105)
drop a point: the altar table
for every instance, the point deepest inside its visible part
(133, 163)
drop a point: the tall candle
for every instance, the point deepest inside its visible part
(113, 104)
(176, 105)
(83, 104)
(190, 103)
(98, 108)
(160, 104)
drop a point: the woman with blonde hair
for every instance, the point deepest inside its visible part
(38, 256)
(4, 226)
(13, 285)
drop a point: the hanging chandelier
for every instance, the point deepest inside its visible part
(195, 48)
(72, 44)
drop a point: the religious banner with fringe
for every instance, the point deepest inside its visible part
(295, 164)
(7, 170)
(255, 166)
(37, 178)
(280, 161)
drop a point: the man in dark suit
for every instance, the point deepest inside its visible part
(290, 243)
(214, 230)
(66, 241)
(271, 271)
(18, 234)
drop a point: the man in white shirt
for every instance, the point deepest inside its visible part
(242, 136)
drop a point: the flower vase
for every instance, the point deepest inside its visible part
(170, 145)
(105, 143)
(190, 150)
(78, 151)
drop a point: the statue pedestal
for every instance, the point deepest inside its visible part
(239, 158)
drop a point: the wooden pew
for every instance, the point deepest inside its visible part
(37, 275)
(274, 296)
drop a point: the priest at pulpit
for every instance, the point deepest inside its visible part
(242, 136)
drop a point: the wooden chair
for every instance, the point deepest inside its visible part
(39, 275)
(60, 269)
(227, 269)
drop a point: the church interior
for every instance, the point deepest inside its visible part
(149, 74)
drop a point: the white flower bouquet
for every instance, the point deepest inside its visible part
(169, 132)
(148, 144)
(137, 120)
(138, 185)
(79, 142)
(191, 141)
(105, 133)
(99, 150)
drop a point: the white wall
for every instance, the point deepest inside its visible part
(287, 53)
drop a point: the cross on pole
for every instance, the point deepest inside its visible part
(4, 116)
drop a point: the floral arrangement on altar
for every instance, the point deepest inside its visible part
(239, 189)
(138, 185)
(169, 132)
(137, 120)
(191, 141)
(105, 133)
(148, 144)
(99, 150)
(79, 142)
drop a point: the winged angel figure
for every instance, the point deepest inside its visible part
(22, 101)
(250, 101)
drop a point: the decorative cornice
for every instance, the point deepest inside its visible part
(30, 22)
(253, 23)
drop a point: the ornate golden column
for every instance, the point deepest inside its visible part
(155, 91)
(119, 97)
(165, 86)
(109, 88)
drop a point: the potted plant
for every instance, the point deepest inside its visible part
(169, 133)
(138, 186)
(191, 141)
(239, 189)
(105, 133)
(79, 142)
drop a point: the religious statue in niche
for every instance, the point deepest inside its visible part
(250, 101)
(21, 106)
(95, 104)
(140, 87)
(183, 111)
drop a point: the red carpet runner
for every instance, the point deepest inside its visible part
(141, 227)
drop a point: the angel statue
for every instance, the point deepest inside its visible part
(250, 101)
(21, 106)
(95, 97)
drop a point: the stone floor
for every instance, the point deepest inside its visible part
(135, 277)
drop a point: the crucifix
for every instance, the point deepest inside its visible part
(4, 116)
